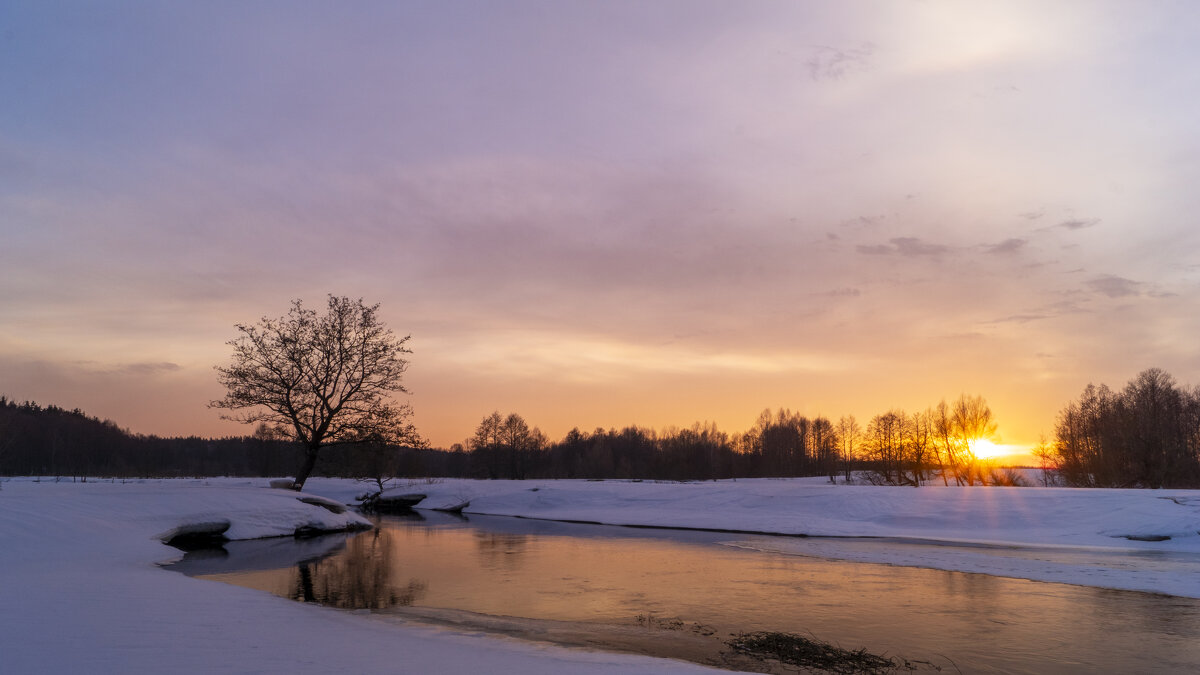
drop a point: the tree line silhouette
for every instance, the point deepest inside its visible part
(895, 448)
(1145, 435)
(52, 441)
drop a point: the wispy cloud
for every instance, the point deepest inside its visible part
(875, 249)
(832, 63)
(1042, 313)
(1021, 318)
(1006, 247)
(843, 293)
(905, 246)
(590, 359)
(913, 246)
(1078, 223)
(147, 368)
(91, 367)
(1114, 286)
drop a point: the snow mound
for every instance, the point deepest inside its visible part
(195, 533)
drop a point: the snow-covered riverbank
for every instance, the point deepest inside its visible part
(82, 593)
(1146, 540)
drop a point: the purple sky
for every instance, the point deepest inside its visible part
(605, 213)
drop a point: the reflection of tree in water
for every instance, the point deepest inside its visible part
(358, 578)
(497, 550)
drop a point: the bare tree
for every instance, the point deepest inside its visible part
(823, 444)
(324, 379)
(522, 445)
(885, 448)
(485, 446)
(377, 463)
(972, 421)
(1147, 435)
(1045, 453)
(946, 444)
(920, 443)
(849, 436)
(505, 447)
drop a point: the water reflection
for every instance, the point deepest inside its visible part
(552, 571)
(362, 576)
(276, 553)
(500, 551)
(406, 514)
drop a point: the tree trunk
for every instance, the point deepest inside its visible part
(310, 461)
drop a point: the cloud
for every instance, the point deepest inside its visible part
(1077, 223)
(578, 358)
(832, 63)
(908, 247)
(912, 246)
(878, 249)
(1021, 318)
(147, 368)
(93, 368)
(1042, 313)
(843, 293)
(863, 222)
(1006, 247)
(1114, 286)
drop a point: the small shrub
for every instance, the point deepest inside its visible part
(1006, 478)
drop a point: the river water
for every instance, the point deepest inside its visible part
(680, 591)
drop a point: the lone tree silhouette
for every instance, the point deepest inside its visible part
(320, 380)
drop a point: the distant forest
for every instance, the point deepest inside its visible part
(1145, 435)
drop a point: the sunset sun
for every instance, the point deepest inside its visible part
(985, 449)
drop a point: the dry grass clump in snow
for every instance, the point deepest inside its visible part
(808, 653)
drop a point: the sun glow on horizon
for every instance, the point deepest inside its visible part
(985, 449)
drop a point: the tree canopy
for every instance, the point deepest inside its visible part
(320, 379)
(1146, 435)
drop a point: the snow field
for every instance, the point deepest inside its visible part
(80, 592)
